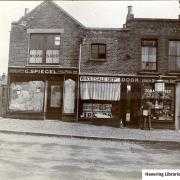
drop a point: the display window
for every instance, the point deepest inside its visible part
(162, 102)
(26, 96)
(69, 96)
(96, 110)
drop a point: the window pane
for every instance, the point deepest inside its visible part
(55, 58)
(52, 56)
(102, 49)
(35, 56)
(94, 56)
(144, 58)
(172, 48)
(172, 63)
(94, 51)
(144, 66)
(49, 56)
(178, 48)
(148, 66)
(94, 48)
(50, 41)
(57, 40)
(36, 41)
(145, 50)
(178, 63)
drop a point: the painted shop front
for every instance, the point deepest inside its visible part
(110, 100)
(48, 93)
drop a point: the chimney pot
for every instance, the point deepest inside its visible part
(26, 11)
(129, 9)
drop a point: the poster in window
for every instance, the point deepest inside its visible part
(69, 96)
(52, 56)
(35, 56)
(24, 96)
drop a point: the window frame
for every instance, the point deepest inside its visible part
(149, 46)
(45, 47)
(174, 56)
(98, 58)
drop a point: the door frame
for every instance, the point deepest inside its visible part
(54, 112)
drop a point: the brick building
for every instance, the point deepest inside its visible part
(60, 69)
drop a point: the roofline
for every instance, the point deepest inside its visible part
(155, 19)
(103, 29)
(55, 4)
(82, 25)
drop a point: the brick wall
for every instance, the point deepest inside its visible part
(123, 45)
(162, 30)
(46, 16)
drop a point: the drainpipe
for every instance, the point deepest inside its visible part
(78, 83)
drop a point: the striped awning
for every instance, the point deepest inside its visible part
(109, 91)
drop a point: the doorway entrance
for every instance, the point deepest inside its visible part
(130, 104)
(54, 100)
(177, 110)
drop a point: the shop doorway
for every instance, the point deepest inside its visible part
(130, 104)
(54, 100)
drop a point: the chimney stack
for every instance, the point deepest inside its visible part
(26, 11)
(129, 9)
(130, 15)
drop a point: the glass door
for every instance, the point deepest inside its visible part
(54, 101)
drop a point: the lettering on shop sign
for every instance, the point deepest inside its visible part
(108, 79)
(39, 71)
(42, 71)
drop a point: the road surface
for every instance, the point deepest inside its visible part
(47, 158)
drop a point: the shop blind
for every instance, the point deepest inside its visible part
(100, 91)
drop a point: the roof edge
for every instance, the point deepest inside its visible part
(57, 6)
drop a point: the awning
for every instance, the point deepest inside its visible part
(109, 91)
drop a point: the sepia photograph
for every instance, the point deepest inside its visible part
(90, 90)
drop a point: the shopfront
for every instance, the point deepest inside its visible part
(100, 99)
(110, 100)
(162, 98)
(42, 93)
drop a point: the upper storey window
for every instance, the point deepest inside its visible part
(149, 55)
(174, 55)
(44, 49)
(98, 51)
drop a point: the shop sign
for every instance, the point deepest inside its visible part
(152, 80)
(109, 79)
(99, 79)
(42, 71)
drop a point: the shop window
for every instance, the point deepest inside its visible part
(149, 55)
(96, 110)
(98, 51)
(69, 96)
(26, 96)
(174, 55)
(162, 102)
(44, 49)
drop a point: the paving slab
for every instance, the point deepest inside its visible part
(78, 130)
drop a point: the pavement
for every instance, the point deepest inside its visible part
(56, 128)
